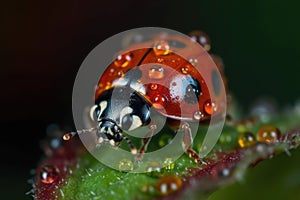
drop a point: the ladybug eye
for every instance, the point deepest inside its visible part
(192, 93)
(127, 121)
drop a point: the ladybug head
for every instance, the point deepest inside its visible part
(120, 109)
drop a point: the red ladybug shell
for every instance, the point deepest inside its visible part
(166, 73)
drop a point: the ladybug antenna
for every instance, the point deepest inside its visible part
(70, 135)
(130, 144)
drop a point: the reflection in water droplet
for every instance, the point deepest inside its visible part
(185, 70)
(168, 184)
(246, 139)
(169, 163)
(202, 38)
(161, 48)
(156, 72)
(210, 107)
(125, 165)
(193, 61)
(198, 115)
(49, 174)
(123, 60)
(268, 134)
(153, 86)
(159, 101)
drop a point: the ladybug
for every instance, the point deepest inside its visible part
(141, 80)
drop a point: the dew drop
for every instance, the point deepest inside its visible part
(154, 169)
(202, 38)
(185, 70)
(198, 115)
(156, 72)
(160, 60)
(120, 73)
(125, 165)
(123, 60)
(68, 136)
(159, 101)
(153, 86)
(111, 71)
(246, 139)
(148, 188)
(169, 163)
(168, 184)
(193, 61)
(268, 134)
(161, 48)
(49, 174)
(210, 107)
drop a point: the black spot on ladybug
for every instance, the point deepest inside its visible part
(192, 91)
(176, 44)
(216, 82)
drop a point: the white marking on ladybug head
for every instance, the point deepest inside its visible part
(92, 112)
(109, 131)
(136, 122)
(103, 106)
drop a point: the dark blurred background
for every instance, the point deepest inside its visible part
(43, 44)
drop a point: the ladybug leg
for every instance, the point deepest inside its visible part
(187, 144)
(128, 141)
(145, 142)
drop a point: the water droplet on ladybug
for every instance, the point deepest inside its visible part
(185, 70)
(161, 48)
(153, 86)
(49, 174)
(193, 61)
(202, 38)
(156, 72)
(159, 101)
(198, 115)
(108, 85)
(123, 60)
(111, 71)
(160, 60)
(246, 139)
(268, 134)
(169, 163)
(154, 169)
(120, 73)
(210, 107)
(168, 184)
(125, 165)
